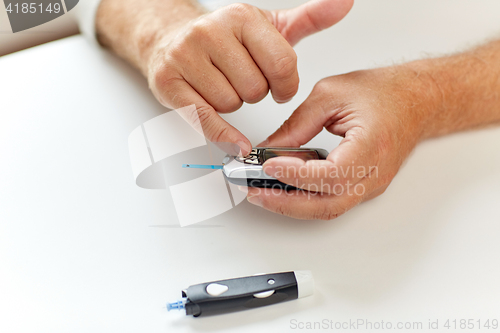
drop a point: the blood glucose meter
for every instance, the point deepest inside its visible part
(248, 171)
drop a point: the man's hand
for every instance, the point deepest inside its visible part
(217, 60)
(382, 114)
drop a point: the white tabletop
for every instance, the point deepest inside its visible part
(83, 249)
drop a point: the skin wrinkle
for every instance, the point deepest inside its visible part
(313, 22)
(434, 85)
(413, 110)
(286, 128)
(335, 123)
(279, 21)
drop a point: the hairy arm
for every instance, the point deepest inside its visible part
(469, 85)
(466, 92)
(131, 28)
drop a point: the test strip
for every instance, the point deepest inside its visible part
(202, 166)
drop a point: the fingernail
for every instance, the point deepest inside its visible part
(243, 189)
(255, 200)
(244, 147)
(270, 171)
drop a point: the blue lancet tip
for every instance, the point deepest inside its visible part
(179, 305)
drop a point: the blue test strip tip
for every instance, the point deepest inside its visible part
(202, 166)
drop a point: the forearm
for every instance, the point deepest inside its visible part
(131, 28)
(463, 91)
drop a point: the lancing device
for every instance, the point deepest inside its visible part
(224, 296)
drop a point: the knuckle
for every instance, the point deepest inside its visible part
(323, 87)
(204, 113)
(202, 118)
(205, 119)
(256, 92)
(229, 104)
(221, 135)
(284, 67)
(199, 31)
(180, 47)
(162, 80)
(240, 10)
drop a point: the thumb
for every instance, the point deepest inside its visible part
(309, 18)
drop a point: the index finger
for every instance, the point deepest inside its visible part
(204, 118)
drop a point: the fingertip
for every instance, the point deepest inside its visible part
(243, 189)
(255, 200)
(328, 12)
(282, 101)
(252, 190)
(348, 4)
(245, 147)
(314, 16)
(269, 170)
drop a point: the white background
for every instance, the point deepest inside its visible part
(83, 249)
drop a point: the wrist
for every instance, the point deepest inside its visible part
(463, 90)
(423, 96)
